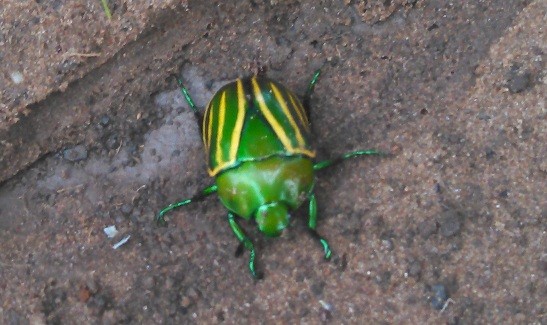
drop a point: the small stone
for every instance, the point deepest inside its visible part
(439, 296)
(220, 316)
(427, 228)
(65, 173)
(185, 302)
(317, 288)
(415, 269)
(126, 209)
(93, 286)
(105, 119)
(503, 194)
(489, 153)
(112, 142)
(169, 283)
(148, 282)
(518, 81)
(76, 153)
(387, 244)
(450, 223)
(17, 77)
(84, 294)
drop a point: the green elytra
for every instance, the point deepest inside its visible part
(273, 172)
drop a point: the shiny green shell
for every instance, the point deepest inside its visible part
(253, 119)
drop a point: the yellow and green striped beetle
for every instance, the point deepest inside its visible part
(256, 134)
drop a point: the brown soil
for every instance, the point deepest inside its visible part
(449, 228)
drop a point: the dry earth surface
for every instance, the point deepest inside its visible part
(449, 228)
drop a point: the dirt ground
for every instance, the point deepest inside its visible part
(449, 228)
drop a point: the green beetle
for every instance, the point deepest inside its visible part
(256, 134)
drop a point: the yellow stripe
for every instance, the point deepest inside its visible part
(204, 130)
(270, 118)
(236, 135)
(285, 109)
(309, 153)
(210, 128)
(300, 111)
(221, 116)
(213, 172)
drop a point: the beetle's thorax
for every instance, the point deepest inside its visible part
(277, 179)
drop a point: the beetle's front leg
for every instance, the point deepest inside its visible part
(312, 224)
(309, 92)
(199, 196)
(246, 242)
(190, 101)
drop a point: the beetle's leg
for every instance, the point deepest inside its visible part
(199, 196)
(245, 241)
(309, 92)
(190, 101)
(327, 163)
(312, 224)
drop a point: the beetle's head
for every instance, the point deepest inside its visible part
(272, 218)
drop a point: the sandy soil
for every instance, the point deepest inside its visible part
(450, 228)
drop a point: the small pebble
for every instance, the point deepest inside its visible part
(185, 302)
(93, 286)
(126, 209)
(112, 142)
(105, 119)
(84, 294)
(149, 282)
(439, 296)
(387, 244)
(317, 288)
(504, 194)
(76, 153)
(17, 77)
(450, 223)
(415, 269)
(518, 81)
(427, 228)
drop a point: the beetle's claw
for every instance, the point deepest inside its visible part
(160, 221)
(326, 248)
(258, 276)
(239, 250)
(328, 254)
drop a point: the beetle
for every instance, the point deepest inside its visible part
(256, 134)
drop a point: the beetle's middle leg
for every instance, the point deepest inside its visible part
(245, 241)
(197, 197)
(312, 224)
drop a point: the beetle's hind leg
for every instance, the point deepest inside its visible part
(312, 224)
(246, 243)
(199, 196)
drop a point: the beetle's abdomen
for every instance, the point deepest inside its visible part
(276, 179)
(252, 119)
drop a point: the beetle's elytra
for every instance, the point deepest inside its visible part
(256, 134)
